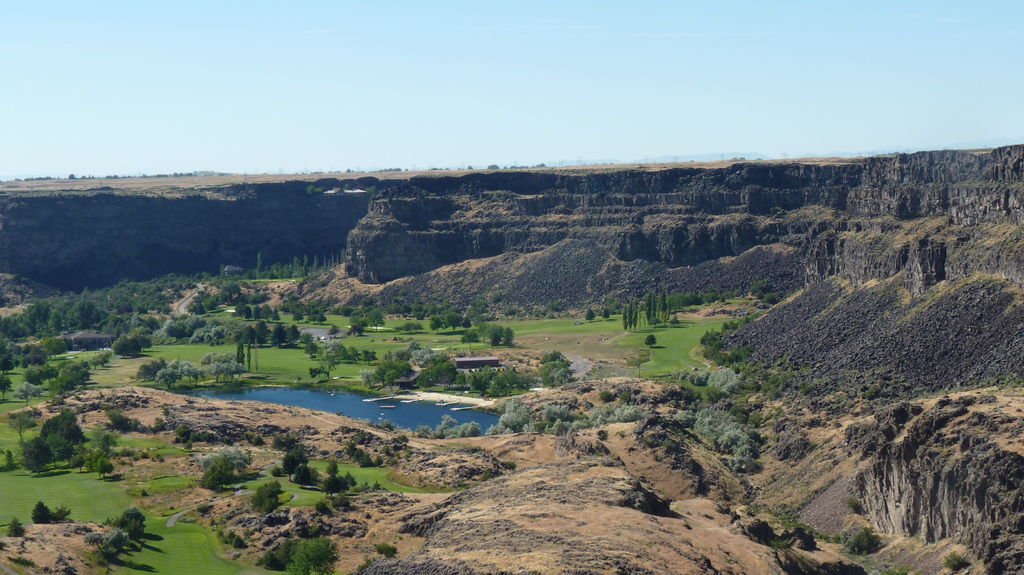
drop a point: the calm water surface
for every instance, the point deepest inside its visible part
(407, 415)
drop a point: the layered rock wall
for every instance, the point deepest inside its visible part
(860, 219)
(863, 220)
(72, 241)
(943, 475)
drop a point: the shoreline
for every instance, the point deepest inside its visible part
(425, 396)
(436, 396)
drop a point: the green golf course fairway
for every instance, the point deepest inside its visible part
(184, 548)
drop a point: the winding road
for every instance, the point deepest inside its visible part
(180, 307)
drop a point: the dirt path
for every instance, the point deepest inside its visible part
(579, 365)
(173, 519)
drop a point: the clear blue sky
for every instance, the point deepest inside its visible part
(248, 86)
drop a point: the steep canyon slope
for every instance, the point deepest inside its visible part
(936, 215)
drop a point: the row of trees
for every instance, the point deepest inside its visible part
(220, 366)
(650, 310)
(657, 309)
(494, 334)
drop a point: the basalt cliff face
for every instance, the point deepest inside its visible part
(932, 216)
(948, 471)
(76, 240)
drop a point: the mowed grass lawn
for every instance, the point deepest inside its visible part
(185, 548)
(598, 340)
(88, 497)
(676, 347)
(604, 339)
(299, 497)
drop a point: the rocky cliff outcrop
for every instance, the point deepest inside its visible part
(954, 471)
(930, 214)
(593, 519)
(926, 214)
(93, 239)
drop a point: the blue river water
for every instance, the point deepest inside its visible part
(406, 415)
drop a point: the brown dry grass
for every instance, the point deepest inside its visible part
(189, 184)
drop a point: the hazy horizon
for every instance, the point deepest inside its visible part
(260, 87)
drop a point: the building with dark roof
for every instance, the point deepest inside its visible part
(87, 340)
(409, 379)
(469, 363)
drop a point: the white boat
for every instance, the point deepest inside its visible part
(388, 406)
(409, 400)
(464, 408)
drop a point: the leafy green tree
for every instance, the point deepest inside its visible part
(304, 475)
(863, 542)
(5, 386)
(148, 370)
(436, 323)
(64, 425)
(99, 462)
(279, 336)
(9, 464)
(132, 522)
(220, 469)
(650, 340)
(41, 514)
(35, 454)
(105, 441)
(39, 374)
(101, 359)
(15, 528)
(390, 370)
(438, 373)
(333, 484)
(127, 346)
(277, 559)
(108, 545)
(27, 392)
(179, 370)
(71, 376)
(330, 356)
(313, 557)
(267, 497)
(21, 421)
(54, 346)
(225, 370)
(294, 457)
(357, 327)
